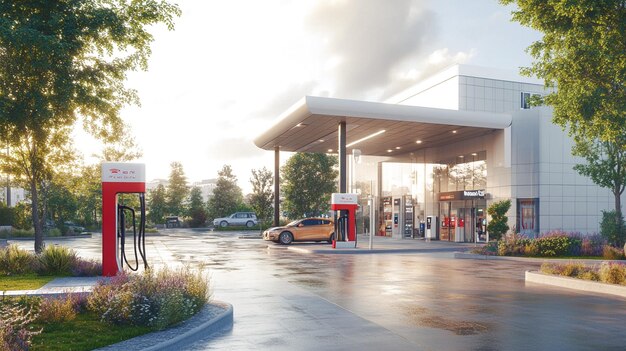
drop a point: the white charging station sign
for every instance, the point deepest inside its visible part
(344, 199)
(117, 172)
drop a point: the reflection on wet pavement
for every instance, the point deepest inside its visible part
(428, 299)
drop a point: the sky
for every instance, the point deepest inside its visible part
(231, 67)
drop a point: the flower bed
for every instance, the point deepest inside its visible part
(127, 306)
(607, 272)
(552, 244)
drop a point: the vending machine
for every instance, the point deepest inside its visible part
(387, 221)
(408, 217)
(396, 230)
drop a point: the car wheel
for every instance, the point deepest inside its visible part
(223, 224)
(285, 238)
(249, 224)
(331, 238)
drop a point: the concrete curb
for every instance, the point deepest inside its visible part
(221, 321)
(186, 333)
(471, 256)
(363, 251)
(575, 284)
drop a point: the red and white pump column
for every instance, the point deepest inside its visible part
(117, 178)
(344, 207)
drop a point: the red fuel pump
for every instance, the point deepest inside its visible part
(344, 207)
(122, 178)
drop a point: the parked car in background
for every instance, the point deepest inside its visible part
(238, 218)
(172, 222)
(307, 229)
(73, 227)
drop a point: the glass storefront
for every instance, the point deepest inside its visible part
(406, 192)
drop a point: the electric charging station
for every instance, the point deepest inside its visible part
(344, 207)
(122, 178)
(432, 228)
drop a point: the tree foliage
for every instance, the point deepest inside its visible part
(583, 54)
(177, 190)
(227, 196)
(63, 59)
(156, 205)
(197, 210)
(308, 180)
(262, 195)
(498, 224)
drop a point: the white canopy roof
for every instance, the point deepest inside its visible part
(311, 126)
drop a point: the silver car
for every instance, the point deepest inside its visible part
(238, 218)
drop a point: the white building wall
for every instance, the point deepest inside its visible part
(443, 95)
(530, 160)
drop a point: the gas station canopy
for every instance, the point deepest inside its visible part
(377, 129)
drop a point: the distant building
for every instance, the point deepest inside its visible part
(206, 186)
(17, 195)
(151, 185)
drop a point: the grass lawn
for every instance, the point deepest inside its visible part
(23, 282)
(86, 332)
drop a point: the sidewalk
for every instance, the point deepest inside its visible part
(380, 244)
(59, 286)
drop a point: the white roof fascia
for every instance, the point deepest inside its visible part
(312, 105)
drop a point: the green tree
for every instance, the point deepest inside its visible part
(197, 210)
(606, 166)
(262, 195)
(62, 204)
(89, 194)
(227, 196)
(63, 59)
(498, 224)
(177, 190)
(308, 181)
(156, 205)
(583, 54)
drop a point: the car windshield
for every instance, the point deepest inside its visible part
(293, 224)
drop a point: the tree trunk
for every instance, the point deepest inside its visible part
(618, 217)
(35, 215)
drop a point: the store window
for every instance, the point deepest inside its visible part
(525, 101)
(528, 217)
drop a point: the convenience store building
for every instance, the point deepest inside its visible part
(446, 149)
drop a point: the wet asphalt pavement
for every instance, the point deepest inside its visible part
(414, 301)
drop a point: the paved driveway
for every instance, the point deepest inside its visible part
(416, 301)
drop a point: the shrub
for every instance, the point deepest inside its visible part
(57, 310)
(592, 245)
(150, 299)
(589, 275)
(14, 321)
(497, 226)
(14, 260)
(612, 273)
(613, 229)
(612, 253)
(571, 269)
(557, 244)
(86, 268)
(54, 232)
(101, 296)
(56, 260)
(23, 233)
(7, 215)
(489, 249)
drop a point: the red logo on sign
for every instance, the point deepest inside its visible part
(114, 170)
